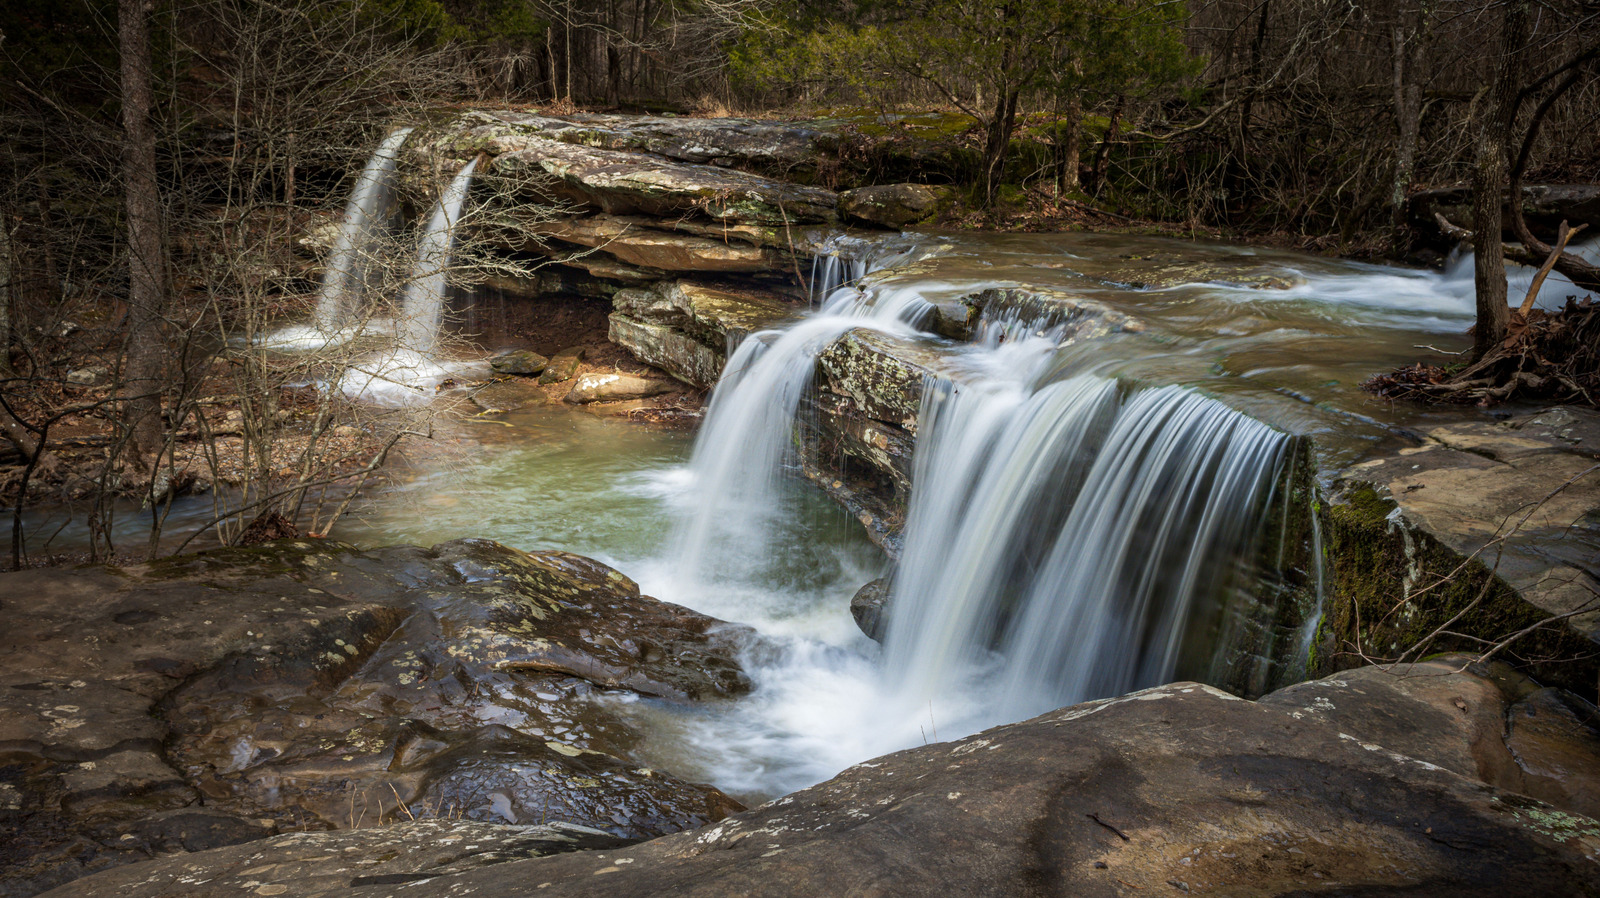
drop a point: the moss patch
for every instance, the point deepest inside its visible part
(1390, 585)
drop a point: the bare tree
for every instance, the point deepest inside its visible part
(147, 261)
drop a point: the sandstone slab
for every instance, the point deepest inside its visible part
(1181, 789)
(628, 182)
(219, 697)
(603, 387)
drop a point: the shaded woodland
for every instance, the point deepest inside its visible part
(161, 157)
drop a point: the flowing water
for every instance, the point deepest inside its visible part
(366, 220)
(1079, 503)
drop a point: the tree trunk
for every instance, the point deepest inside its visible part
(1069, 145)
(5, 293)
(1102, 155)
(1408, 53)
(997, 140)
(146, 260)
(1489, 183)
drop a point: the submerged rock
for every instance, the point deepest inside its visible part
(507, 396)
(220, 697)
(1181, 789)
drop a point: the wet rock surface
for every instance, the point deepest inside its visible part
(222, 697)
(518, 361)
(1178, 789)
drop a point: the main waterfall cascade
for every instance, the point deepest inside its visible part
(1063, 536)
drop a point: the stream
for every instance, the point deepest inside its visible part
(783, 559)
(1001, 618)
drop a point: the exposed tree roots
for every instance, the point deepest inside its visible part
(1546, 357)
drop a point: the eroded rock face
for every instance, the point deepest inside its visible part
(625, 183)
(638, 242)
(1174, 790)
(1408, 531)
(717, 141)
(225, 696)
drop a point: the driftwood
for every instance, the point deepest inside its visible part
(1562, 237)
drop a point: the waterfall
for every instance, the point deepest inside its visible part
(1057, 538)
(422, 304)
(360, 233)
(829, 271)
(1062, 537)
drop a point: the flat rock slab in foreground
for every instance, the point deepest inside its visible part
(222, 697)
(1380, 783)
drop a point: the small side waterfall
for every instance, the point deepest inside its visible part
(354, 256)
(746, 442)
(422, 304)
(830, 271)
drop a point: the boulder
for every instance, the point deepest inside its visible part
(194, 702)
(688, 329)
(1408, 528)
(892, 205)
(722, 317)
(563, 365)
(1179, 789)
(518, 361)
(88, 377)
(627, 183)
(870, 607)
(603, 387)
(882, 375)
(668, 348)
